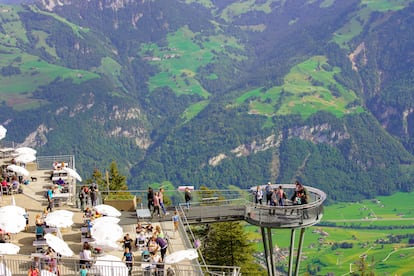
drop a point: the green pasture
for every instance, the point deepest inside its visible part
(78, 30)
(16, 89)
(12, 26)
(180, 60)
(393, 217)
(238, 8)
(306, 90)
(193, 110)
(41, 42)
(356, 24)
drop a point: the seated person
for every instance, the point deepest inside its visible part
(15, 185)
(87, 213)
(139, 228)
(39, 221)
(149, 228)
(140, 240)
(5, 186)
(60, 182)
(40, 232)
(4, 183)
(4, 234)
(158, 232)
(152, 245)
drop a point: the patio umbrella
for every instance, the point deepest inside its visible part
(107, 245)
(12, 223)
(106, 232)
(59, 245)
(59, 218)
(25, 150)
(109, 265)
(25, 158)
(104, 220)
(9, 249)
(3, 131)
(181, 255)
(4, 271)
(12, 209)
(18, 170)
(107, 210)
(72, 173)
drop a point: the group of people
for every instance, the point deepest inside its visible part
(276, 196)
(152, 244)
(44, 265)
(156, 202)
(88, 195)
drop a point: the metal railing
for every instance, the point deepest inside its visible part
(20, 265)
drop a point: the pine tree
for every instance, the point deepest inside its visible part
(227, 244)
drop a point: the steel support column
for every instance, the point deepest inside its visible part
(270, 247)
(291, 249)
(266, 251)
(301, 238)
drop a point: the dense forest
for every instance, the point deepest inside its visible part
(216, 93)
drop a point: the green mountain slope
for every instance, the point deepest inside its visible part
(216, 93)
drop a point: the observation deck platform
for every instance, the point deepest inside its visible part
(281, 217)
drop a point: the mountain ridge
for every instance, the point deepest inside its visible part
(204, 97)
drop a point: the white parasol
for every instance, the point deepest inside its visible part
(25, 158)
(107, 210)
(59, 245)
(109, 265)
(25, 150)
(3, 132)
(9, 249)
(72, 173)
(59, 218)
(18, 170)
(12, 223)
(104, 220)
(107, 245)
(181, 255)
(12, 209)
(103, 233)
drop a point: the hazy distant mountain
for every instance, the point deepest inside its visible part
(216, 93)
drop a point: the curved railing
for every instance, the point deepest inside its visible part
(288, 216)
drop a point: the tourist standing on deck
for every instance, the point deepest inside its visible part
(49, 199)
(150, 198)
(161, 199)
(268, 191)
(156, 204)
(281, 195)
(82, 198)
(259, 195)
(176, 222)
(187, 197)
(93, 191)
(129, 259)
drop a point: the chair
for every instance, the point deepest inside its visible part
(5, 190)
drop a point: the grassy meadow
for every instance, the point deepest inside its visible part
(379, 230)
(308, 88)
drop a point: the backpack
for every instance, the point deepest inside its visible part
(46, 195)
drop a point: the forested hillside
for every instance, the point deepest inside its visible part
(217, 93)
